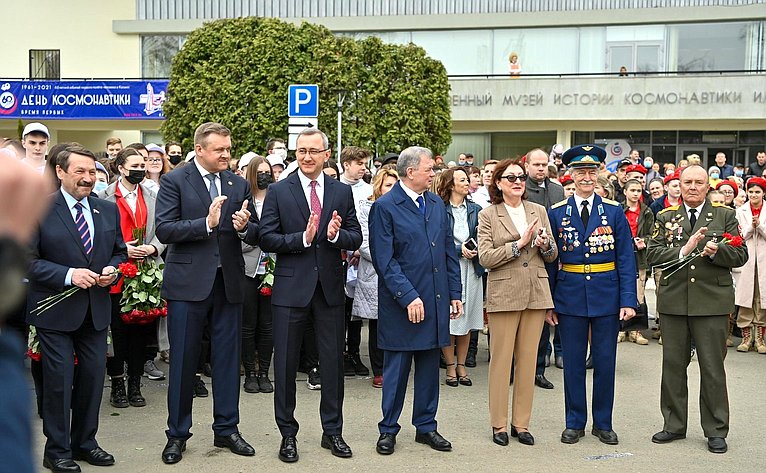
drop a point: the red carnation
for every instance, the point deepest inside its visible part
(129, 270)
(33, 356)
(266, 291)
(164, 312)
(736, 241)
(728, 236)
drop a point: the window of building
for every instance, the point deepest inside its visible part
(45, 64)
(710, 46)
(157, 54)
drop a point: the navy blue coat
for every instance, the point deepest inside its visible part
(56, 247)
(193, 255)
(415, 257)
(595, 294)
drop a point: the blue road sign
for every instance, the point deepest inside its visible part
(303, 100)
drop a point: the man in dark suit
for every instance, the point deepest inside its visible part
(419, 290)
(694, 304)
(79, 243)
(308, 220)
(204, 211)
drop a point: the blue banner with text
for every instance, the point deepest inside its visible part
(83, 100)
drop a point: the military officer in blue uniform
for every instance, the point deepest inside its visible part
(594, 289)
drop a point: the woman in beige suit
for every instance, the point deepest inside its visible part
(514, 245)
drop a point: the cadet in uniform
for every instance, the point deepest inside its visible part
(694, 303)
(595, 288)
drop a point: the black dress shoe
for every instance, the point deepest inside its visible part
(524, 437)
(500, 438)
(60, 464)
(717, 445)
(235, 443)
(608, 437)
(572, 435)
(547, 360)
(542, 382)
(386, 444)
(359, 368)
(173, 452)
(288, 449)
(434, 440)
(97, 457)
(199, 388)
(348, 365)
(560, 362)
(664, 436)
(336, 445)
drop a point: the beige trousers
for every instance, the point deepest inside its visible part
(756, 315)
(513, 333)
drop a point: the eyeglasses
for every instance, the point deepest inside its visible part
(313, 152)
(511, 178)
(153, 160)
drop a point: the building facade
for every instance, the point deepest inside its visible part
(694, 69)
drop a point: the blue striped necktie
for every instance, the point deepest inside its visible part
(82, 229)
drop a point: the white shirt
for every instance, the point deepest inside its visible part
(131, 197)
(579, 200)
(204, 172)
(412, 194)
(306, 186)
(86, 213)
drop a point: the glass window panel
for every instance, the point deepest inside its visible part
(670, 137)
(157, 54)
(516, 145)
(721, 46)
(648, 58)
(580, 137)
(664, 154)
(592, 50)
(461, 52)
(752, 137)
(634, 137)
(620, 56)
(635, 33)
(541, 51)
(690, 137)
(477, 144)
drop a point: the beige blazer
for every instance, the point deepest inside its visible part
(513, 284)
(744, 276)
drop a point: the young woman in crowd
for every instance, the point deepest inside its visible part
(514, 244)
(749, 297)
(641, 222)
(366, 294)
(474, 178)
(464, 215)
(135, 202)
(604, 187)
(257, 332)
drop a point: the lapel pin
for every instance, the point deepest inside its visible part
(95, 211)
(230, 183)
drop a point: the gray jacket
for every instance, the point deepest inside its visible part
(366, 294)
(546, 196)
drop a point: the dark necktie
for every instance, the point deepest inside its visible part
(584, 214)
(213, 188)
(421, 205)
(82, 229)
(693, 217)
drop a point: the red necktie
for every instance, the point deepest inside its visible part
(316, 206)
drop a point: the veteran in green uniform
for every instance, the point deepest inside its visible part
(694, 302)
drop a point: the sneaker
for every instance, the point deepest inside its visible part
(199, 388)
(314, 381)
(251, 383)
(377, 381)
(638, 338)
(151, 371)
(264, 383)
(621, 337)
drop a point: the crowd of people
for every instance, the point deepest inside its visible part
(270, 265)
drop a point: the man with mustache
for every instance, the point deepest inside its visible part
(79, 243)
(592, 292)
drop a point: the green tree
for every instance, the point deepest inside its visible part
(237, 71)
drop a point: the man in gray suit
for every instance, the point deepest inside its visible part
(545, 192)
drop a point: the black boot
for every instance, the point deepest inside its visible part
(118, 398)
(134, 392)
(473, 348)
(251, 382)
(359, 368)
(349, 368)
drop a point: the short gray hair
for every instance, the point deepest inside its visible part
(410, 158)
(315, 131)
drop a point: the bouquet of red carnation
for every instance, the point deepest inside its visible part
(141, 302)
(727, 239)
(268, 278)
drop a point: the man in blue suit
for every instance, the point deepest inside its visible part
(419, 290)
(309, 221)
(593, 291)
(203, 213)
(79, 243)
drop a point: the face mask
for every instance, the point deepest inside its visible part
(714, 176)
(282, 153)
(263, 180)
(461, 163)
(99, 186)
(739, 172)
(175, 158)
(135, 176)
(648, 164)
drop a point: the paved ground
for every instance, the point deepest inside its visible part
(136, 435)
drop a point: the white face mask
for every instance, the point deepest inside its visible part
(282, 153)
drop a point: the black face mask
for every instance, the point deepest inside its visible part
(175, 158)
(263, 180)
(135, 176)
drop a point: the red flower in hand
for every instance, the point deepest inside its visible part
(265, 291)
(736, 241)
(129, 270)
